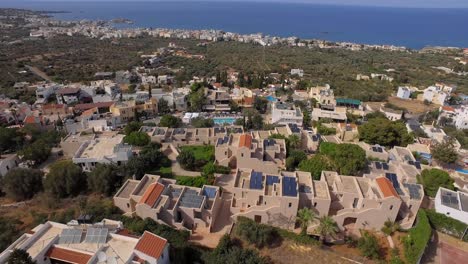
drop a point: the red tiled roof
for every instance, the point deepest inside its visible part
(386, 187)
(89, 112)
(32, 119)
(217, 85)
(248, 100)
(152, 194)
(448, 108)
(68, 91)
(126, 232)
(245, 140)
(52, 106)
(83, 107)
(67, 255)
(151, 245)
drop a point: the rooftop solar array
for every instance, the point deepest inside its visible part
(209, 192)
(450, 199)
(289, 186)
(270, 180)
(96, 235)
(219, 130)
(294, 128)
(269, 143)
(159, 131)
(176, 192)
(414, 190)
(178, 131)
(223, 140)
(417, 164)
(70, 236)
(191, 199)
(394, 179)
(381, 165)
(377, 149)
(236, 130)
(256, 180)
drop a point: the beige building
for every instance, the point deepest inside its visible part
(124, 110)
(168, 203)
(323, 94)
(78, 243)
(245, 151)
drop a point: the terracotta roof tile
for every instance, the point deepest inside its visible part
(448, 108)
(83, 107)
(151, 245)
(67, 255)
(151, 195)
(386, 187)
(52, 106)
(68, 91)
(245, 140)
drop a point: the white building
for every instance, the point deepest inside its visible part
(435, 95)
(392, 114)
(452, 204)
(403, 92)
(102, 150)
(77, 243)
(298, 72)
(285, 113)
(461, 117)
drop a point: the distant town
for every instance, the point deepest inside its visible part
(135, 166)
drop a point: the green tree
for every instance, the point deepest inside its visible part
(260, 104)
(132, 126)
(315, 165)
(294, 141)
(196, 100)
(65, 179)
(230, 252)
(104, 179)
(200, 122)
(187, 159)
(149, 159)
(327, 227)
(294, 159)
(20, 256)
(390, 227)
(137, 138)
(163, 106)
(22, 184)
(385, 132)
(304, 217)
(349, 159)
(369, 246)
(37, 152)
(432, 179)
(170, 121)
(10, 139)
(445, 152)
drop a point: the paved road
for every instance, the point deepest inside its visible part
(39, 73)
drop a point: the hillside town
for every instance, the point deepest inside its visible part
(183, 166)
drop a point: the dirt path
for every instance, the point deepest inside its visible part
(39, 73)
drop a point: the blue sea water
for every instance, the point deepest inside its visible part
(410, 27)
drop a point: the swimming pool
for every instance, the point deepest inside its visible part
(224, 120)
(271, 98)
(464, 171)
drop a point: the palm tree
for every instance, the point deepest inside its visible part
(304, 217)
(294, 141)
(327, 227)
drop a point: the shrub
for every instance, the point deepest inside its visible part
(369, 246)
(192, 181)
(415, 242)
(445, 224)
(21, 184)
(433, 179)
(258, 234)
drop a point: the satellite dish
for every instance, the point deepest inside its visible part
(102, 257)
(111, 260)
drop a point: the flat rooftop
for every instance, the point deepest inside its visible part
(101, 147)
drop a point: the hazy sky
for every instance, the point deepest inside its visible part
(392, 3)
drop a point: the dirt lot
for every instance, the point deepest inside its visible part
(412, 106)
(290, 252)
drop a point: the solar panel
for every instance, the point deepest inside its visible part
(305, 189)
(417, 164)
(394, 179)
(191, 199)
(378, 165)
(270, 180)
(385, 165)
(209, 192)
(70, 236)
(256, 180)
(414, 190)
(289, 186)
(96, 235)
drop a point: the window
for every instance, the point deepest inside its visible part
(242, 154)
(355, 202)
(290, 204)
(128, 205)
(315, 204)
(391, 207)
(410, 207)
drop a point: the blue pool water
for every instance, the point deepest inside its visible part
(271, 98)
(224, 120)
(464, 171)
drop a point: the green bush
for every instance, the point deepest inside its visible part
(192, 181)
(258, 234)
(369, 246)
(415, 242)
(445, 224)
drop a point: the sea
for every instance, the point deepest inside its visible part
(410, 27)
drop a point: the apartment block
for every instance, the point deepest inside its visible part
(323, 94)
(168, 203)
(245, 151)
(78, 243)
(285, 113)
(109, 150)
